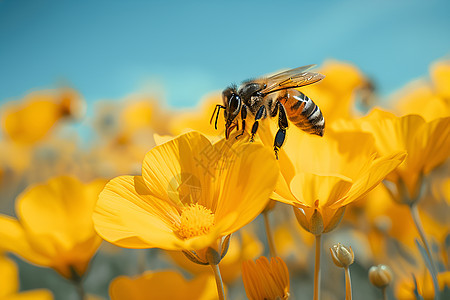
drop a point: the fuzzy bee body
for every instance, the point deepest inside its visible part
(272, 96)
(302, 112)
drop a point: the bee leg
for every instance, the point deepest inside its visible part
(243, 117)
(259, 115)
(282, 126)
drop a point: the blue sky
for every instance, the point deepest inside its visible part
(182, 50)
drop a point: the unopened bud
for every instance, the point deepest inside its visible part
(342, 256)
(380, 276)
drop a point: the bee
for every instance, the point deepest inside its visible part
(271, 96)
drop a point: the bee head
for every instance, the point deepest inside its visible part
(233, 103)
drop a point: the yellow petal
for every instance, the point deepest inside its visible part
(163, 285)
(245, 184)
(440, 74)
(14, 238)
(437, 137)
(10, 284)
(31, 295)
(129, 215)
(266, 280)
(161, 139)
(57, 219)
(411, 101)
(371, 177)
(8, 277)
(60, 210)
(181, 170)
(309, 188)
(287, 169)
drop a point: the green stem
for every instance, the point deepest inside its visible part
(416, 218)
(80, 289)
(317, 268)
(273, 252)
(383, 290)
(219, 282)
(348, 284)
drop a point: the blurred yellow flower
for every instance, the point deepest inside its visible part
(430, 100)
(440, 77)
(266, 280)
(191, 193)
(426, 143)
(405, 288)
(55, 226)
(419, 98)
(29, 121)
(399, 223)
(162, 285)
(336, 94)
(10, 284)
(243, 247)
(329, 173)
(143, 113)
(199, 117)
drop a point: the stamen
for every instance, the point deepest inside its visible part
(195, 220)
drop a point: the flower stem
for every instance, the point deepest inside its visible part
(419, 227)
(219, 282)
(416, 218)
(317, 268)
(273, 251)
(383, 290)
(348, 284)
(80, 289)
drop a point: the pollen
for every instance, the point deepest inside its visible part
(195, 220)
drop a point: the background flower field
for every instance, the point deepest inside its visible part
(83, 101)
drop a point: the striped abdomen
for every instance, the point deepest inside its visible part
(302, 112)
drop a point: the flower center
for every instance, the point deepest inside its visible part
(195, 220)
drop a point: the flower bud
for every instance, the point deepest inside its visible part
(380, 276)
(342, 256)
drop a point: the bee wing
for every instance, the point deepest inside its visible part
(293, 78)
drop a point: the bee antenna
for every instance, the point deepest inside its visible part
(217, 108)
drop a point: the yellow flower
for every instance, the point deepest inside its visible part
(266, 280)
(405, 288)
(190, 194)
(163, 285)
(336, 94)
(199, 118)
(426, 143)
(320, 176)
(10, 284)
(243, 247)
(55, 226)
(30, 121)
(381, 208)
(440, 76)
(430, 100)
(143, 113)
(419, 98)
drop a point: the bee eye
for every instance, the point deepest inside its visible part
(234, 104)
